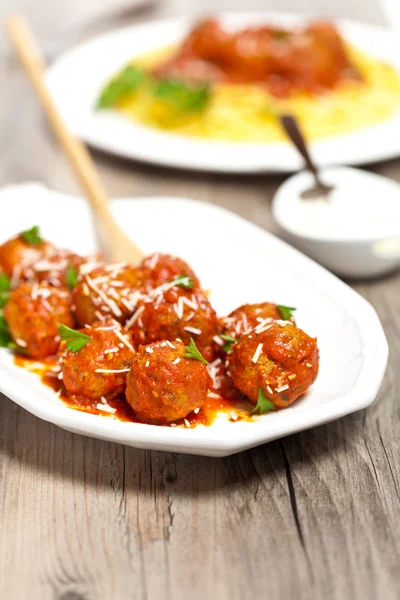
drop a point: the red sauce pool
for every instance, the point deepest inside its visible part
(46, 370)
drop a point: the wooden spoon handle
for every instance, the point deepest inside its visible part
(82, 163)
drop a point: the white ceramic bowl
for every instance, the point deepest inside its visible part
(353, 255)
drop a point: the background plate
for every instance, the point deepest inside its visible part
(77, 77)
(253, 266)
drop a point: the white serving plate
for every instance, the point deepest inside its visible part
(253, 266)
(76, 78)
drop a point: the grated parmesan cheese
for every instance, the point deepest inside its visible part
(124, 340)
(112, 370)
(106, 408)
(282, 388)
(257, 353)
(194, 330)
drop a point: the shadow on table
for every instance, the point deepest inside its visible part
(51, 451)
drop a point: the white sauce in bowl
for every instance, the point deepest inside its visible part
(363, 206)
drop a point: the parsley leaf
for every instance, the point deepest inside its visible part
(32, 236)
(76, 340)
(227, 347)
(280, 34)
(4, 296)
(286, 311)
(183, 281)
(263, 404)
(4, 282)
(123, 84)
(182, 97)
(5, 339)
(71, 277)
(5, 336)
(192, 351)
(4, 289)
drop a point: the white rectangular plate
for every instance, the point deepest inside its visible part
(239, 263)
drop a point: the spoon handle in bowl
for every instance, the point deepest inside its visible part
(292, 130)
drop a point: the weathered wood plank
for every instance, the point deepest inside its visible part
(312, 516)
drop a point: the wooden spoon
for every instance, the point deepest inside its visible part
(117, 245)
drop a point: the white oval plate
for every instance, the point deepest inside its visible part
(253, 266)
(76, 79)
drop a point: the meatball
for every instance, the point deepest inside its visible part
(17, 254)
(282, 361)
(99, 369)
(248, 316)
(175, 312)
(107, 291)
(27, 262)
(33, 313)
(55, 266)
(163, 385)
(162, 268)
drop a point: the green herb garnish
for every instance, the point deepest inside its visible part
(75, 340)
(5, 336)
(183, 281)
(32, 236)
(123, 84)
(263, 404)
(71, 277)
(4, 296)
(4, 289)
(5, 282)
(286, 311)
(229, 341)
(192, 351)
(182, 97)
(280, 34)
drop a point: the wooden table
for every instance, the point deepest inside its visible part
(315, 515)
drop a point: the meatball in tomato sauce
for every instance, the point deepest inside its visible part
(18, 254)
(282, 360)
(164, 386)
(33, 313)
(249, 316)
(39, 261)
(162, 268)
(107, 291)
(100, 367)
(175, 312)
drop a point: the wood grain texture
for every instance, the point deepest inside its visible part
(315, 515)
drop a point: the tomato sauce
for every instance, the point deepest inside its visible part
(46, 370)
(311, 60)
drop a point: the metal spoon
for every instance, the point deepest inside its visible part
(320, 191)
